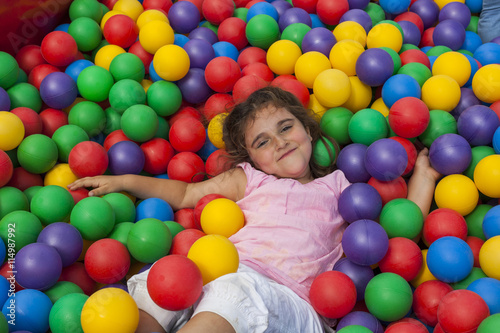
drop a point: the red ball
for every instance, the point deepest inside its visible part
(144, 55)
(39, 72)
(217, 103)
(6, 272)
(406, 325)
(222, 73)
(438, 329)
(186, 166)
(198, 208)
(241, 3)
(52, 119)
(28, 57)
(158, 153)
(409, 117)
(330, 11)
(250, 55)
(426, 299)
(411, 151)
(120, 30)
(251, 3)
(427, 39)
(6, 168)
(475, 244)
(259, 69)
(413, 18)
(414, 55)
(77, 274)
(182, 242)
(114, 137)
(88, 159)
(216, 11)
(185, 217)
(174, 282)
(107, 261)
(109, 3)
(295, 87)
(308, 5)
(186, 111)
(390, 190)
(216, 163)
(403, 257)
(232, 30)
(187, 134)
(462, 310)
(246, 85)
(333, 294)
(79, 194)
(157, 4)
(443, 222)
(496, 107)
(23, 179)
(59, 48)
(31, 120)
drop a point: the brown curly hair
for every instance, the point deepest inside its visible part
(235, 124)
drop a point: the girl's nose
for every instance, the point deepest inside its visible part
(281, 142)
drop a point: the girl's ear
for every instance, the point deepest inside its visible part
(308, 130)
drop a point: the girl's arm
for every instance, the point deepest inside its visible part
(423, 182)
(178, 194)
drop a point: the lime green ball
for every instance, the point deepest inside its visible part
(262, 31)
(295, 32)
(127, 66)
(406, 47)
(478, 153)
(149, 240)
(323, 155)
(26, 95)
(19, 228)
(66, 137)
(174, 227)
(475, 219)
(490, 324)
(438, 50)
(65, 314)
(475, 274)
(93, 217)
(440, 122)
(396, 59)
(375, 12)
(30, 192)
(474, 21)
(401, 218)
(163, 129)
(89, 116)
(9, 71)
(62, 288)
(113, 120)
(37, 153)
(122, 205)
(388, 296)
(94, 83)
(241, 13)
(334, 123)
(367, 126)
(126, 93)
(164, 97)
(51, 204)
(86, 32)
(85, 8)
(139, 123)
(12, 199)
(120, 232)
(416, 70)
(354, 329)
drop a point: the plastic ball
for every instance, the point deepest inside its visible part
(29, 311)
(485, 83)
(155, 35)
(350, 30)
(440, 123)
(488, 289)
(52, 119)
(386, 159)
(359, 201)
(401, 218)
(139, 122)
(384, 34)
(262, 31)
(390, 190)
(89, 116)
(489, 324)
(39, 72)
(448, 63)
(157, 152)
(399, 86)
(403, 257)
(107, 261)
(359, 274)
(106, 54)
(367, 126)
(38, 266)
(360, 318)
(232, 30)
(10, 72)
(443, 222)
(59, 48)
(127, 66)
(216, 11)
(222, 217)
(125, 157)
(486, 176)
(450, 33)
(94, 83)
(426, 299)
(365, 242)
(126, 93)
(194, 87)
(450, 259)
(457, 192)
(411, 33)
(86, 32)
(332, 88)
(221, 73)
(65, 238)
(93, 217)
(409, 117)
(488, 53)
(183, 17)
(488, 257)
(450, 154)
(52, 204)
(182, 242)
(354, 329)
(6, 168)
(309, 65)
(441, 92)
(318, 39)
(66, 312)
(11, 130)
(344, 55)
(37, 153)
(186, 166)
(282, 56)
(477, 124)
(154, 208)
(31, 120)
(58, 90)
(374, 66)
(467, 99)
(88, 159)
(293, 86)
(330, 12)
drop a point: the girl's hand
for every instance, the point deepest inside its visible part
(101, 184)
(423, 166)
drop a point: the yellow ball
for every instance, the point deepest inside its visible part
(214, 130)
(361, 95)
(222, 217)
(384, 34)
(453, 64)
(60, 175)
(171, 62)
(317, 109)
(106, 54)
(344, 54)
(487, 176)
(156, 34)
(486, 83)
(282, 56)
(110, 310)
(424, 274)
(215, 255)
(11, 130)
(131, 8)
(108, 15)
(441, 92)
(380, 106)
(489, 257)
(350, 30)
(457, 192)
(332, 88)
(149, 16)
(442, 3)
(145, 83)
(309, 65)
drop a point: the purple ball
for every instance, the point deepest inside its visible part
(58, 90)
(360, 201)
(204, 33)
(361, 318)
(358, 16)
(351, 161)
(365, 242)
(125, 157)
(455, 11)
(467, 99)
(358, 4)
(65, 238)
(359, 274)
(318, 39)
(200, 52)
(4, 100)
(294, 15)
(411, 33)
(477, 124)
(428, 11)
(193, 87)
(145, 268)
(281, 6)
(450, 154)
(183, 16)
(38, 266)
(374, 66)
(450, 33)
(386, 159)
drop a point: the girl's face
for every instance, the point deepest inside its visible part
(279, 145)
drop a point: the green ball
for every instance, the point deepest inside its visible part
(396, 59)
(401, 218)
(210, 26)
(4, 326)
(62, 288)
(12, 199)
(66, 137)
(241, 13)
(164, 97)
(334, 123)
(120, 232)
(30, 192)
(94, 83)
(51, 204)
(490, 324)
(416, 70)
(367, 126)
(22, 77)
(467, 52)
(93, 217)
(149, 240)
(127, 66)
(375, 12)
(406, 47)
(126, 93)
(37, 153)
(122, 205)
(89, 116)
(86, 32)
(354, 329)
(26, 95)
(438, 50)
(139, 123)
(65, 314)
(9, 71)
(475, 219)
(478, 153)
(474, 21)
(295, 32)
(262, 31)
(174, 227)
(323, 155)
(475, 274)
(163, 129)
(113, 120)
(388, 296)
(440, 122)
(85, 8)
(21, 228)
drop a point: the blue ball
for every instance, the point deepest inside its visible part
(475, 6)
(496, 141)
(3, 251)
(489, 290)
(154, 208)
(62, 27)
(152, 73)
(450, 259)
(488, 53)
(491, 222)
(207, 149)
(316, 22)
(30, 308)
(76, 67)
(180, 40)
(226, 49)
(394, 7)
(399, 86)
(474, 66)
(472, 41)
(4, 289)
(262, 8)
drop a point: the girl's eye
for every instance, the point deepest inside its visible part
(286, 128)
(261, 143)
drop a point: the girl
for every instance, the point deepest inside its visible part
(292, 229)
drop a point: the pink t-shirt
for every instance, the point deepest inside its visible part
(292, 231)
